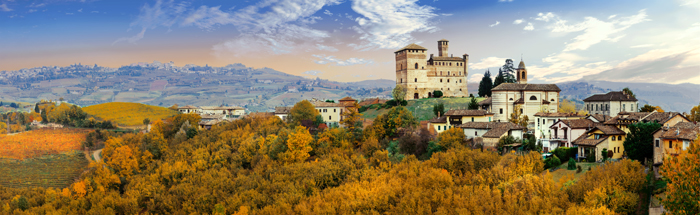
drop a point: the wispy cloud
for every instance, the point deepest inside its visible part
(505, 0)
(80, 11)
(312, 72)
(488, 62)
(529, 27)
(518, 21)
(327, 12)
(595, 30)
(323, 59)
(4, 8)
(545, 16)
(494, 24)
(326, 48)
(388, 24)
(37, 5)
(642, 46)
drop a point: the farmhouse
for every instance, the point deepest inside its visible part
(592, 143)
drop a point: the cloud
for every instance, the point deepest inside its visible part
(529, 27)
(37, 5)
(518, 21)
(312, 72)
(642, 46)
(545, 17)
(612, 16)
(388, 24)
(505, 0)
(81, 10)
(323, 59)
(94, 11)
(31, 11)
(494, 24)
(659, 69)
(595, 30)
(160, 14)
(489, 62)
(4, 8)
(327, 12)
(326, 48)
(69, 13)
(207, 18)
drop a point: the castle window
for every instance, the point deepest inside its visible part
(511, 99)
(441, 80)
(460, 89)
(460, 73)
(448, 73)
(450, 64)
(416, 79)
(448, 80)
(460, 80)
(401, 81)
(448, 89)
(501, 110)
(416, 65)
(533, 98)
(421, 67)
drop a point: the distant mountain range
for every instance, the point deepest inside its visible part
(260, 89)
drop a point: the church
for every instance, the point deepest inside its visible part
(421, 77)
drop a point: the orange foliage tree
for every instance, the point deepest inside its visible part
(683, 175)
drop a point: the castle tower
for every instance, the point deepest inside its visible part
(522, 73)
(442, 48)
(411, 70)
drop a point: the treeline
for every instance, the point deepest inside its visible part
(48, 112)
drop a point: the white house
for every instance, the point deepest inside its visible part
(563, 132)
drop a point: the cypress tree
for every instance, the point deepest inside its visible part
(485, 85)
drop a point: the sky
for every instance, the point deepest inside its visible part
(353, 40)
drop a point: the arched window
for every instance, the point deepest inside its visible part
(416, 65)
(448, 80)
(448, 73)
(450, 64)
(416, 79)
(533, 98)
(460, 73)
(460, 80)
(511, 99)
(441, 80)
(523, 76)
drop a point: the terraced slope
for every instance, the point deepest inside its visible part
(57, 171)
(128, 114)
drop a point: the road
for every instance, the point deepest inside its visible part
(96, 155)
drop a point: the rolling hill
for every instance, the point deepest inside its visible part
(128, 114)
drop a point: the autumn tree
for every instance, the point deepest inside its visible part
(683, 175)
(298, 146)
(303, 110)
(567, 106)
(399, 93)
(352, 117)
(123, 161)
(694, 114)
(452, 138)
(518, 117)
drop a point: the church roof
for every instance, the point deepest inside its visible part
(521, 65)
(526, 87)
(412, 46)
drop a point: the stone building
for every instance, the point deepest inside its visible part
(530, 98)
(421, 77)
(610, 103)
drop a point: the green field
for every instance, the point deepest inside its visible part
(57, 171)
(423, 108)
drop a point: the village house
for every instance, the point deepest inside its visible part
(282, 112)
(421, 77)
(598, 138)
(668, 140)
(491, 132)
(610, 103)
(543, 121)
(454, 118)
(332, 113)
(563, 132)
(222, 111)
(598, 118)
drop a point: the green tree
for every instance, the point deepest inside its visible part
(485, 85)
(473, 105)
(399, 93)
(637, 143)
(499, 79)
(439, 108)
(146, 121)
(508, 72)
(604, 154)
(36, 107)
(647, 108)
(571, 165)
(303, 110)
(44, 118)
(627, 91)
(437, 94)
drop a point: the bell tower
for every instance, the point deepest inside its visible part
(442, 48)
(522, 73)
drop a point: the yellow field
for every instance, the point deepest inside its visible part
(128, 114)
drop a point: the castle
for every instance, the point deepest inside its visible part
(421, 78)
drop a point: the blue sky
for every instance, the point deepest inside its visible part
(350, 40)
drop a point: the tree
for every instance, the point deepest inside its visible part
(399, 93)
(694, 114)
(571, 165)
(567, 106)
(298, 146)
(146, 121)
(485, 85)
(499, 79)
(44, 119)
(649, 108)
(637, 143)
(452, 138)
(473, 105)
(518, 117)
(627, 91)
(303, 110)
(437, 94)
(351, 117)
(123, 161)
(36, 107)
(439, 109)
(682, 173)
(508, 72)
(604, 154)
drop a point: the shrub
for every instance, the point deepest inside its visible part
(404, 102)
(578, 169)
(390, 103)
(552, 162)
(437, 94)
(572, 164)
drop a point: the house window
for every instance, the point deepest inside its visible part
(657, 143)
(598, 136)
(475, 133)
(460, 73)
(686, 144)
(329, 117)
(670, 144)
(472, 119)
(613, 138)
(533, 98)
(501, 110)
(607, 107)
(448, 73)
(444, 127)
(619, 137)
(623, 107)
(460, 80)
(333, 110)
(438, 128)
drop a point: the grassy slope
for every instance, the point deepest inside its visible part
(424, 107)
(562, 171)
(128, 114)
(57, 171)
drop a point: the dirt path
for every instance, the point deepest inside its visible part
(96, 155)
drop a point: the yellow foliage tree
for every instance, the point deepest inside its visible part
(79, 189)
(683, 175)
(298, 146)
(518, 117)
(452, 138)
(567, 106)
(351, 117)
(123, 161)
(303, 110)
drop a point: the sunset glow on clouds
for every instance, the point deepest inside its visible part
(351, 40)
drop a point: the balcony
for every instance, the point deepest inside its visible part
(555, 137)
